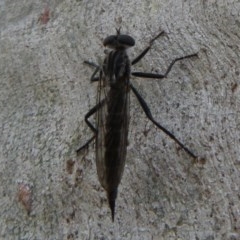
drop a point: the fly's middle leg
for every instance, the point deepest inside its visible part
(97, 68)
(154, 75)
(160, 76)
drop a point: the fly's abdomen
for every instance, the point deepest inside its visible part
(111, 157)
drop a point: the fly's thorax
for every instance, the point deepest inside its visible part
(116, 68)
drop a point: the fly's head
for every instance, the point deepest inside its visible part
(119, 41)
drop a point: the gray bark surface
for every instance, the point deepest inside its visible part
(48, 192)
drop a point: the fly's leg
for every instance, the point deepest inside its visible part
(93, 78)
(144, 52)
(159, 76)
(89, 114)
(150, 117)
(93, 110)
(90, 125)
(154, 75)
(144, 104)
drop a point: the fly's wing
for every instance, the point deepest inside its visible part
(112, 124)
(101, 126)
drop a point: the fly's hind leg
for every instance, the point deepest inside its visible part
(93, 110)
(90, 125)
(150, 117)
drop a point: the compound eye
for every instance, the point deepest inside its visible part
(119, 41)
(110, 41)
(126, 40)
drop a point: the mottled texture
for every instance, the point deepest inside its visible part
(45, 92)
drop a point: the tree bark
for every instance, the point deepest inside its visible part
(48, 192)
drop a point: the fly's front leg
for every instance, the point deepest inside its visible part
(144, 52)
(90, 125)
(150, 117)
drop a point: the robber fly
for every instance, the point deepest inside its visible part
(112, 110)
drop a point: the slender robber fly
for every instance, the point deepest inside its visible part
(112, 110)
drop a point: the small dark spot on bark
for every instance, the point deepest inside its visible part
(70, 165)
(78, 176)
(234, 87)
(25, 196)
(45, 16)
